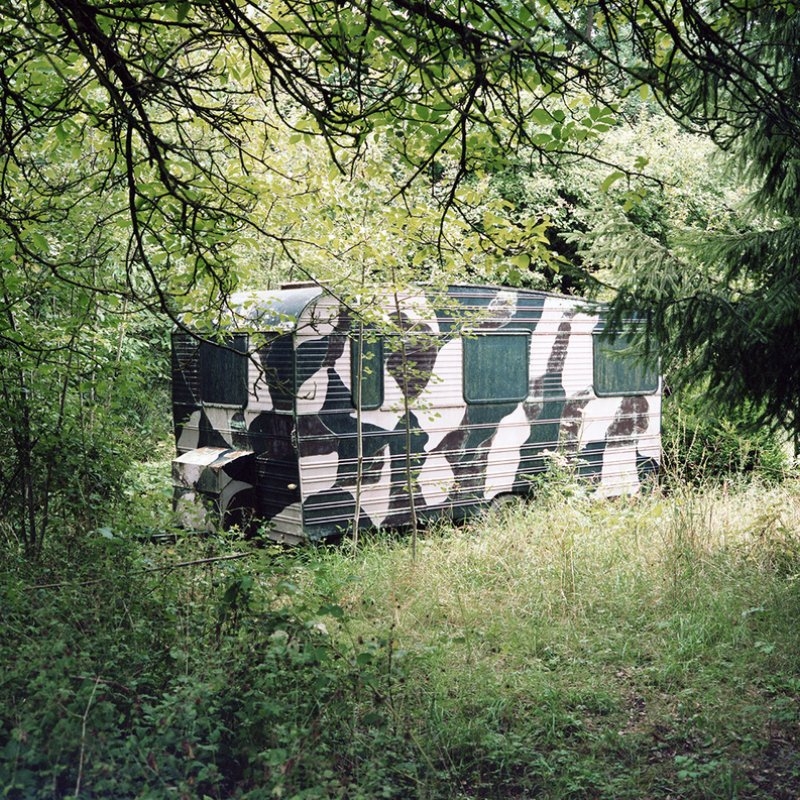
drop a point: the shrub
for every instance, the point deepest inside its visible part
(702, 443)
(123, 677)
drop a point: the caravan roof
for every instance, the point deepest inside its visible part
(269, 310)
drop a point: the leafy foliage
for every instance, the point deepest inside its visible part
(131, 700)
(566, 649)
(157, 156)
(724, 302)
(83, 396)
(701, 447)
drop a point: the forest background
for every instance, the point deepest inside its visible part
(158, 156)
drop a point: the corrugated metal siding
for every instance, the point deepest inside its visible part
(560, 373)
(185, 373)
(277, 478)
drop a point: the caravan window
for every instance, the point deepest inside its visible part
(496, 367)
(223, 371)
(618, 370)
(366, 370)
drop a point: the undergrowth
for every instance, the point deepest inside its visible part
(568, 648)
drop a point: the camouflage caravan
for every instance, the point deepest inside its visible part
(307, 420)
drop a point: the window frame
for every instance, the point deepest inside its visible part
(472, 340)
(603, 346)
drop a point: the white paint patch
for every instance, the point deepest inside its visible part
(436, 479)
(375, 497)
(322, 321)
(597, 418)
(505, 452)
(439, 422)
(619, 474)
(342, 367)
(578, 374)
(288, 524)
(577, 367)
(189, 438)
(440, 407)
(311, 395)
(650, 440)
(418, 310)
(544, 336)
(318, 473)
(392, 393)
(219, 417)
(500, 309)
(649, 446)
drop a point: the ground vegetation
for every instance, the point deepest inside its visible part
(568, 648)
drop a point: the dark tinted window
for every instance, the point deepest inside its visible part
(223, 371)
(619, 370)
(496, 367)
(367, 354)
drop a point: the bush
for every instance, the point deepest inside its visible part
(125, 679)
(562, 650)
(705, 444)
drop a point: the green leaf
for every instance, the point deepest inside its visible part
(541, 116)
(332, 610)
(39, 241)
(421, 112)
(62, 134)
(611, 180)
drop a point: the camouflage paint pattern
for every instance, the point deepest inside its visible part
(285, 447)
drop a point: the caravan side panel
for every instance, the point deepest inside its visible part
(502, 384)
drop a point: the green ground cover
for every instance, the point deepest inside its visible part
(568, 648)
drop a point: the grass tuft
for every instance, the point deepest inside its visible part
(629, 648)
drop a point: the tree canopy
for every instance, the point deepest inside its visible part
(169, 113)
(725, 301)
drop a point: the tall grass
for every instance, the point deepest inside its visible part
(570, 647)
(640, 647)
